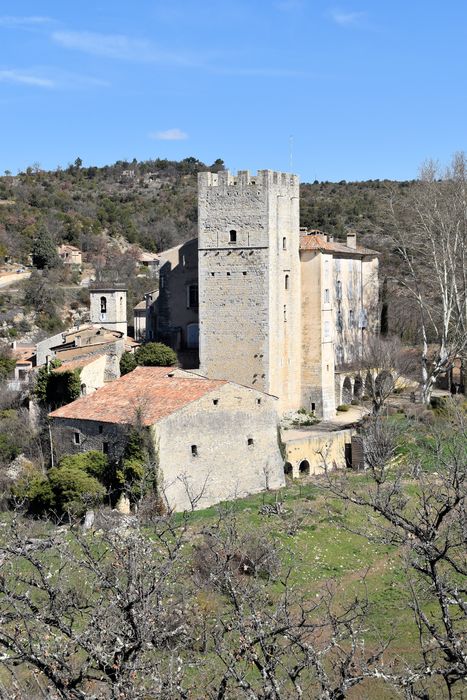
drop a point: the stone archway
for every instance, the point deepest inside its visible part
(347, 390)
(304, 468)
(358, 387)
(288, 470)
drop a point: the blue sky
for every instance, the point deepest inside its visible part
(367, 89)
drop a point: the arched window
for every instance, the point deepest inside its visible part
(286, 281)
(103, 305)
(232, 236)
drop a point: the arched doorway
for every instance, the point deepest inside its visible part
(358, 387)
(304, 468)
(347, 390)
(288, 471)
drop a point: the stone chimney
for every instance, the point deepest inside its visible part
(352, 240)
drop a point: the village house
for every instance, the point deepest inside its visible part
(214, 440)
(70, 255)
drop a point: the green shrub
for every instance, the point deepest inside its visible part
(343, 408)
(127, 363)
(354, 402)
(93, 463)
(74, 490)
(155, 355)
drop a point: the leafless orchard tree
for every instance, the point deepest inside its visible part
(127, 614)
(430, 233)
(430, 529)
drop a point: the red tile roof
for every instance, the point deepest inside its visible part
(319, 242)
(77, 364)
(149, 388)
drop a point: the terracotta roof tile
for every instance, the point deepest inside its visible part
(77, 364)
(148, 388)
(319, 242)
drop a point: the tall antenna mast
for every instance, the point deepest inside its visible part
(291, 152)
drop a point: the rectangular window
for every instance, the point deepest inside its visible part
(77, 438)
(105, 448)
(250, 442)
(101, 429)
(232, 236)
(258, 402)
(215, 402)
(194, 450)
(192, 296)
(284, 243)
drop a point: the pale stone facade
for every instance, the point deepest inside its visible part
(214, 440)
(249, 280)
(279, 309)
(108, 308)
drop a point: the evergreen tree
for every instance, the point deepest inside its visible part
(44, 251)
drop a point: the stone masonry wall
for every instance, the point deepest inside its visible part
(115, 315)
(225, 465)
(243, 303)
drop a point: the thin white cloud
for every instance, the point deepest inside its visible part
(169, 135)
(120, 46)
(13, 22)
(347, 19)
(22, 78)
(50, 78)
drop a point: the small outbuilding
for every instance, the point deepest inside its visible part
(214, 440)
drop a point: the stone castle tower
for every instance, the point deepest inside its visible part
(249, 281)
(108, 307)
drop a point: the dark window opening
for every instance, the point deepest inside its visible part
(284, 243)
(244, 273)
(258, 401)
(77, 438)
(288, 469)
(103, 305)
(233, 236)
(251, 442)
(286, 281)
(215, 402)
(194, 450)
(313, 407)
(193, 298)
(304, 468)
(101, 429)
(105, 448)
(228, 274)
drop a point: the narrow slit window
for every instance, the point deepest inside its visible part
(286, 281)
(258, 402)
(232, 236)
(105, 448)
(194, 450)
(284, 243)
(285, 313)
(77, 438)
(326, 296)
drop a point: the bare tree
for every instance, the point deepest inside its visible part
(390, 366)
(430, 530)
(430, 233)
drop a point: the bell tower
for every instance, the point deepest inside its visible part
(108, 307)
